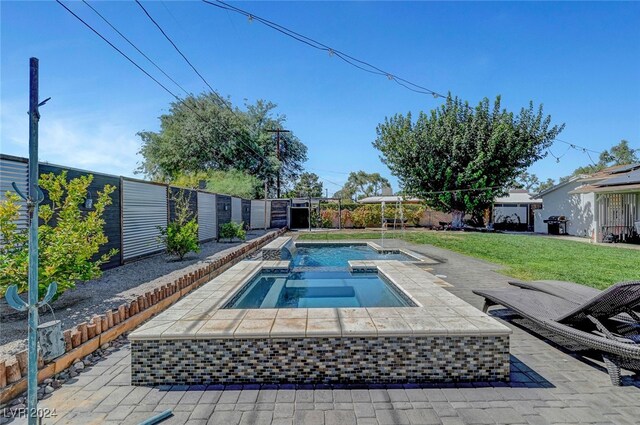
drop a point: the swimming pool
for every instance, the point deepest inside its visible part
(319, 277)
(338, 255)
(318, 289)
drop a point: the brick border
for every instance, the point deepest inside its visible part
(87, 337)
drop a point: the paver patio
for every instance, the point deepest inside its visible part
(547, 385)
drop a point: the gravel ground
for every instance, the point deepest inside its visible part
(113, 288)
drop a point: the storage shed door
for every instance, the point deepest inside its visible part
(236, 210)
(144, 208)
(207, 221)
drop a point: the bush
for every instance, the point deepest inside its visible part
(181, 235)
(68, 238)
(233, 230)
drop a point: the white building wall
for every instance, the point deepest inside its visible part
(579, 209)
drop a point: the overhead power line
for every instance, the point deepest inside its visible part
(136, 47)
(195, 111)
(283, 166)
(358, 63)
(118, 50)
(349, 59)
(174, 46)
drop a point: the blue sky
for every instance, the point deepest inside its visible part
(581, 60)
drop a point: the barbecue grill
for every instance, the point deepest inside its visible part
(556, 225)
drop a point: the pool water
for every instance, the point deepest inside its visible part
(338, 255)
(318, 289)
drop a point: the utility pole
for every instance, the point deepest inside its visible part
(278, 131)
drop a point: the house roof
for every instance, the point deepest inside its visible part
(558, 186)
(517, 196)
(612, 179)
(590, 188)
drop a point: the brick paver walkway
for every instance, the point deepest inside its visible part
(548, 386)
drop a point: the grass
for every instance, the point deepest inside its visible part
(523, 257)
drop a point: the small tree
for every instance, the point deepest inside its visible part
(181, 235)
(69, 237)
(233, 230)
(459, 158)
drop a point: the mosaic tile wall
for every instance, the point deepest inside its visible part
(320, 360)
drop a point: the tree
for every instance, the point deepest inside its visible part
(620, 154)
(181, 234)
(361, 184)
(307, 186)
(203, 133)
(232, 182)
(458, 158)
(548, 183)
(531, 183)
(69, 237)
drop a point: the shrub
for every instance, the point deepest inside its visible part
(233, 230)
(68, 238)
(181, 235)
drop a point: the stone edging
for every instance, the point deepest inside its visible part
(86, 338)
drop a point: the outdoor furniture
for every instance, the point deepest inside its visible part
(590, 323)
(566, 290)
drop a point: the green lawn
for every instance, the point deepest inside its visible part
(524, 257)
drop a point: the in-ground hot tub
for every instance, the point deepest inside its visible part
(306, 329)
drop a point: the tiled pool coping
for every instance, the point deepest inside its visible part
(275, 249)
(198, 342)
(200, 316)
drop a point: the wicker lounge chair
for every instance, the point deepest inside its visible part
(567, 290)
(591, 324)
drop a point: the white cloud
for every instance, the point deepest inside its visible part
(90, 141)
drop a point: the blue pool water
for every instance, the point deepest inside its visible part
(320, 278)
(339, 255)
(317, 289)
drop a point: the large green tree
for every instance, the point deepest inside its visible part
(308, 185)
(203, 133)
(361, 184)
(458, 158)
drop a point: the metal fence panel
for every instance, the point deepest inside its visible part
(144, 208)
(246, 212)
(279, 213)
(257, 213)
(223, 205)
(207, 221)
(111, 214)
(236, 210)
(18, 172)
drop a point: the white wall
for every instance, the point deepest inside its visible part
(579, 209)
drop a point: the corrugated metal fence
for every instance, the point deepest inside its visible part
(15, 170)
(139, 209)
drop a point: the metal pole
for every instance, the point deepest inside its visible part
(278, 131)
(33, 197)
(32, 368)
(265, 205)
(278, 157)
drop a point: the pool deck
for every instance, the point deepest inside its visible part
(548, 385)
(438, 312)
